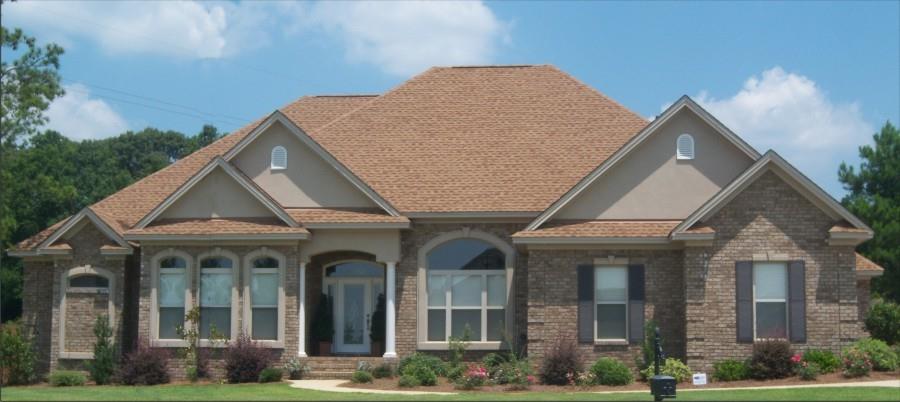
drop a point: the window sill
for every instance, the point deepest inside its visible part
(610, 342)
(271, 344)
(168, 343)
(494, 345)
(76, 355)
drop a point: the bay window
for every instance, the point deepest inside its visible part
(770, 291)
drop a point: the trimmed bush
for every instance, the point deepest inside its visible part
(493, 362)
(271, 374)
(65, 378)
(770, 360)
(383, 370)
(245, 360)
(475, 376)
(422, 373)
(145, 366)
(883, 322)
(361, 377)
(856, 363)
(808, 371)
(827, 361)
(672, 367)
(408, 381)
(562, 363)
(731, 370)
(609, 371)
(432, 362)
(17, 356)
(103, 366)
(882, 356)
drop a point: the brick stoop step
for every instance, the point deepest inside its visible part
(336, 367)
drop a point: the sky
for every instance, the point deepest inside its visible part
(811, 80)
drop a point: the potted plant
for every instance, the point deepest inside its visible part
(377, 329)
(323, 326)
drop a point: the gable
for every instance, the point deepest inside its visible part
(307, 182)
(217, 195)
(650, 183)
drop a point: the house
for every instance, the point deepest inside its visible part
(512, 203)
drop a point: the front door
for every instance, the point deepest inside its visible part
(353, 312)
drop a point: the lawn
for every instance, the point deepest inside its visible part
(282, 392)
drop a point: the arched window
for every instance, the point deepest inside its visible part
(90, 281)
(171, 296)
(684, 148)
(216, 282)
(466, 291)
(279, 158)
(265, 293)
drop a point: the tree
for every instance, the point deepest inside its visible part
(103, 365)
(874, 196)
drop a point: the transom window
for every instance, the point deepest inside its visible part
(264, 284)
(171, 296)
(88, 281)
(770, 299)
(466, 291)
(279, 158)
(216, 281)
(611, 302)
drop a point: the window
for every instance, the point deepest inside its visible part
(611, 302)
(171, 296)
(684, 148)
(770, 300)
(264, 291)
(279, 158)
(216, 280)
(88, 281)
(466, 290)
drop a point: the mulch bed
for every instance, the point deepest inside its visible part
(444, 386)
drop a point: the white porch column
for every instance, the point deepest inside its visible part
(390, 347)
(301, 310)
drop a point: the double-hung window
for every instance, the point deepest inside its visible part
(611, 302)
(216, 281)
(466, 291)
(171, 296)
(770, 290)
(264, 291)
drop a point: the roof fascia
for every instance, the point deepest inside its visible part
(218, 162)
(278, 116)
(235, 236)
(358, 225)
(85, 213)
(591, 240)
(637, 140)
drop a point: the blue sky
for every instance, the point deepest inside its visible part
(812, 80)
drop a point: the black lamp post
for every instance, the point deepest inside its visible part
(661, 386)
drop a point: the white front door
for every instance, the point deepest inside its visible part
(353, 312)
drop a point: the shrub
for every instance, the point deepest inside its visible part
(731, 370)
(103, 366)
(883, 322)
(475, 376)
(244, 360)
(648, 347)
(856, 363)
(408, 381)
(432, 362)
(771, 359)
(422, 372)
(672, 367)
(808, 371)
(561, 364)
(383, 370)
(64, 378)
(493, 362)
(296, 369)
(516, 373)
(609, 371)
(585, 379)
(882, 356)
(824, 359)
(270, 374)
(361, 377)
(17, 356)
(145, 366)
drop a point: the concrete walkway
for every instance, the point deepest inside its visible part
(334, 386)
(884, 383)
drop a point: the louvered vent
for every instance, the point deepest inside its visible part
(279, 158)
(685, 147)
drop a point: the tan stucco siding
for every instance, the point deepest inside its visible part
(217, 195)
(383, 244)
(651, 184)
(308, 181)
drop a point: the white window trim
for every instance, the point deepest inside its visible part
(235, 297)
(155, 341)
(422, 294)
(448, 299)
(272, 164)
(625, 303)
(111, 309)
(787, 310)
(248, 302)
(678, 154)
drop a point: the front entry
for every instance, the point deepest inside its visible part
(354, 288)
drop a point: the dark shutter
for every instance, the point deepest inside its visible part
(744, 300)
(797, 301)
(586, 303)
(636, 303)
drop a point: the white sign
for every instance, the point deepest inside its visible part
(699, 378)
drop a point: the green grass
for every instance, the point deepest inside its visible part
(282, 392)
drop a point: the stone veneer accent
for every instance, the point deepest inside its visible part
(771, 218)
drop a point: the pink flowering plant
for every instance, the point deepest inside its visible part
(475, 376)
(856, 363)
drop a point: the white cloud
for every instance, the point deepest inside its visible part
(80, 117)
(789, 113)
(407, 37)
